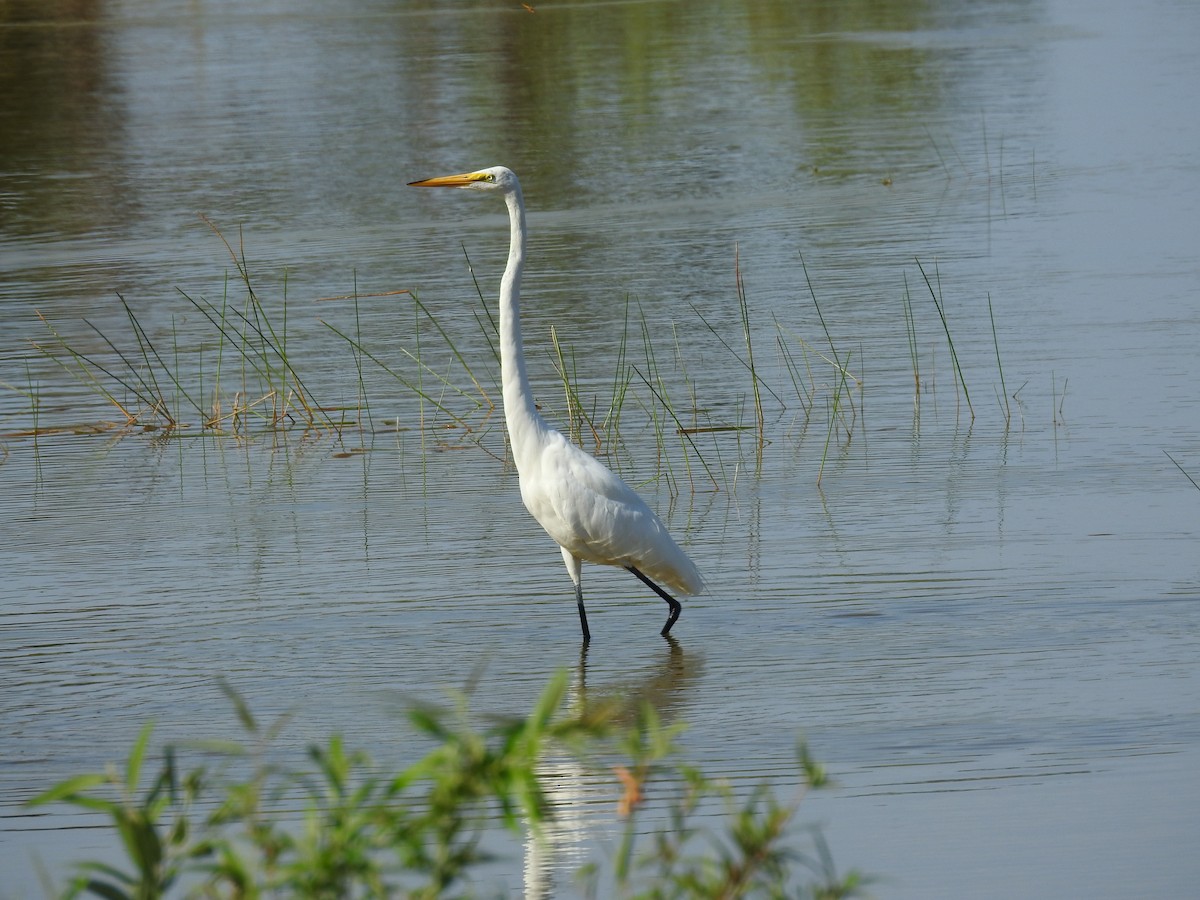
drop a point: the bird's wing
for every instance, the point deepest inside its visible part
(596, 516)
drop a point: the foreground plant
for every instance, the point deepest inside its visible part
(756, 853)
(345, 829)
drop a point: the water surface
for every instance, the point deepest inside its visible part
(986, 628)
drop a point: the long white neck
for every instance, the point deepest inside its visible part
(525, 426)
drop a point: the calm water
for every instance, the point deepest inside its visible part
(989, 633)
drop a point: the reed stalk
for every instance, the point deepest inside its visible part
(651, 378)
(744, 307)
(684, 433)
(804, 395)
(363, 403)
(454, 350)
(999, 365)
(910, 330)
(620, 386)
(960, 379)
(576, 416)
(1183, 470)
(841, 366)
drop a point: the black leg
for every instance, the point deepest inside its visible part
(587, 634)
(676, 609)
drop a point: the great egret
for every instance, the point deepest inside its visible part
(589, 511)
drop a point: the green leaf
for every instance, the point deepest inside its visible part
(97, 803)
(814, 772)
(66, 790)
(239, 705)
(111, 871)
(550, 702)
(106, 890)
(133, 768)
(141, 840)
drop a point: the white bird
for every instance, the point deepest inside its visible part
(590, 512)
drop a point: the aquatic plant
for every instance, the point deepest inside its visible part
(941, 311)
(150, 387)
(240, 824)
(1183, 470)
(246, 380)
(999, 365)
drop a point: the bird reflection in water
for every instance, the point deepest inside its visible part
(583, 798)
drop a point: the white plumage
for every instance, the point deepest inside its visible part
(587, 509)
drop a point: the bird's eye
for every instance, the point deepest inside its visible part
(489, 177)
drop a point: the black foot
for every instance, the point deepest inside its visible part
(676, 608)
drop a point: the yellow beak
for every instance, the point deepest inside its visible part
(464, 180)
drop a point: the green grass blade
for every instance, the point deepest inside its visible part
(682, 430)
(404, 381)
(133, 767)
(82, 371)
(949, 340)
(735, 354)
(999, 365)
(146, 394)
(744, 307)
(1183, 470)
(454, 349)
(145, 344)
(69, 789)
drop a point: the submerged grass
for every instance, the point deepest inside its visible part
(958, 373)
(999, 365)
(744, 309)
(841, 366)
(914, 353)
(246, 380)
(152, 391)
